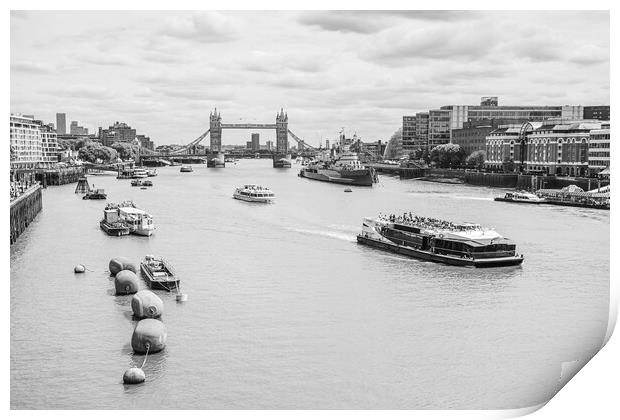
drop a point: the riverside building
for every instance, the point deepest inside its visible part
(32, 143)
(599, 148)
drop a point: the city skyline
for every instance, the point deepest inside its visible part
(163, 72)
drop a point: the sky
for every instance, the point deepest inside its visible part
(163, 72)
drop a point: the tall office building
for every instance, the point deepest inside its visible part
(600, 112)
(255, 142)
(61, 123)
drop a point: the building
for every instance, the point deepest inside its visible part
(25, 143)
(248, 145)
(145, 142)
(255, 142)
(548, 147)
(49, 144)
(61, 123)
(599, 112)
(438, 127)
(77, 130)
(269, 145)
(409, 131)
(472, 136)
(326, 144)
(599, 148)
(421, 130)
(119, 132)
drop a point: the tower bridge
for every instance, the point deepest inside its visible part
(216, 126)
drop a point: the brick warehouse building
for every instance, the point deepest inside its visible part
(555, 148)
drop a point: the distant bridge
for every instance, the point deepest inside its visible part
(215, 136)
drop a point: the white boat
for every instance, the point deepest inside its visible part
(187, 169)
(254, 193)
(140, 173)
(521, 197)
(138, 221)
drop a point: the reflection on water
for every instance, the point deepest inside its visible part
(286, 310)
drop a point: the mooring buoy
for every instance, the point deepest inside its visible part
(79, 268)
(182, 297)
(126, 282)
(134, 375)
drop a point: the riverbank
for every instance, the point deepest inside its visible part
(24, 209)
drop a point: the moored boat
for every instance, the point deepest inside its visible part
(159, 274)
(112, 224)
(254, 193)
(98, 194)
(461, 244)
(140, 173)
(138, 221)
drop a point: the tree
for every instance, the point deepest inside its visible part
(508, 165)
(91, 152)
(126, 150)
(394, 148)
(447, 155)
(477, 159)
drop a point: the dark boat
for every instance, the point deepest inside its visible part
(112, 224)
(147, 183)
(158, 274)
(464, 244)
(97, 194)
(136, 183)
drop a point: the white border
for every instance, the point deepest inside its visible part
(593, 393)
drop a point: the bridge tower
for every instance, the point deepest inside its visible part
(282, 132)
(215, 131)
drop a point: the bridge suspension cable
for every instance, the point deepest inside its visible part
(300, 141)
(190, 145)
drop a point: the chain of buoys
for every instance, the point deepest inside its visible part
(149, 335)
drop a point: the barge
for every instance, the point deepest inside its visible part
(158, 274)
(460, 244)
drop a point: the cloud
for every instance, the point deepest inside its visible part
(33, 67)
(82, 92)
(202, 27)
(342, 21)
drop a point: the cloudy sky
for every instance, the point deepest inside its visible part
(162, 72)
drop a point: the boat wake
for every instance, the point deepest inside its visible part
(326, 233)
(462, 197)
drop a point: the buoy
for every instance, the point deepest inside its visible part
(149, 335)
(181, 297)
(79, 268)
(118, 264)
(134, 375)
(126, 283)
(146, 304)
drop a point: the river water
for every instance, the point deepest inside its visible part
(286, 311)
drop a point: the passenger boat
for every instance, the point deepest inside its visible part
(138, 221)
(151, 172)
(98, 194)
(140, 173)
(521, 197)
(187, 168)
(158, 273)
(461, 244)
(254, 193)
(112, 224)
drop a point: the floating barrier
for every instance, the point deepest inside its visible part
(119, 264)
(149, 336)
(79, 268)
(146, 304)
(126, 282)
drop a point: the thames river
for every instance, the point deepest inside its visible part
(287, 311)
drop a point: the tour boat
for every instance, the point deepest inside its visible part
(158, 273)
(138, 221)
(254, 194)
(521, 197)
(112, 224)
(187, 168)
(462, 244)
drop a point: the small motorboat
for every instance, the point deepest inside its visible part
(147, 183)
(98, 194)
(187, 168)
(159, 274)
(151, 172)
(136, 183)
(348, 189)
